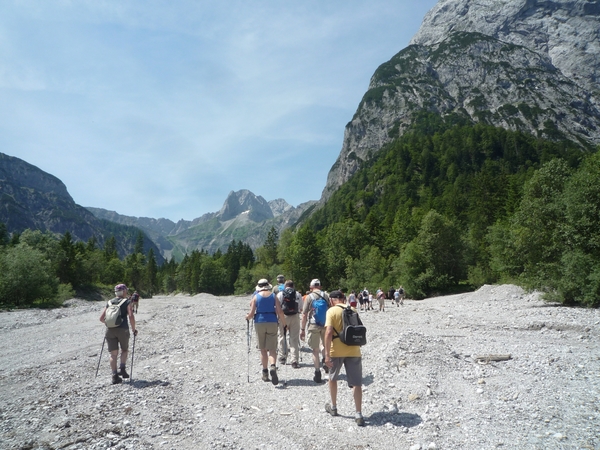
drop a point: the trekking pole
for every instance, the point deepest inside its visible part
(132, 356)
(285, 352)
(248, 342)
(100, 359)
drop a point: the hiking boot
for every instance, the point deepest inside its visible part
(265, 375)
(123, 372)
(295, 365)
(317, 377)
(360, 421)
(330, 409)
(274, 378)
(116, 379)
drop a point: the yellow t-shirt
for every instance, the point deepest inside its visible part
(338, 348)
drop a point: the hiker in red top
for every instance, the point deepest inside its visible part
(135, 298)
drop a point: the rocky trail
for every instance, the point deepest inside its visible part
(430, 379)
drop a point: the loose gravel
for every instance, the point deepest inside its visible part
(429, 381)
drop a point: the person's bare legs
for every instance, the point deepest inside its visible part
(357, 391)
(113, 360)
(316, 359)
(333, 393)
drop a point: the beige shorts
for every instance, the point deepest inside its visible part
(316, 335)
(266, 335)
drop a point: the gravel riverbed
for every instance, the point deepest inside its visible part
(427, 383)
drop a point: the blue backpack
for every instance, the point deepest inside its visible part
(320, 307)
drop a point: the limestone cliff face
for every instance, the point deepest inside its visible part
(245, 202)
(31, 198)
(524, 65)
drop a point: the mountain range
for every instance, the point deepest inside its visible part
(33, 199)
(244, 216)
(524, 65)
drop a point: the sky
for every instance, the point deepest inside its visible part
(160, 108)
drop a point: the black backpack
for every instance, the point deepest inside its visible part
(353, 331)
(289, 303)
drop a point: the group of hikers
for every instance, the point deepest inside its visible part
(365, 299)
(282, 311)
(278, 313)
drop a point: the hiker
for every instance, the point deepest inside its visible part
(367, 299)
(352, 299)
(401, 295)
(314, 310)
(361, 301)
(118, 335)
(266, 310)
(397, 297)
(381, 300)
(291, 305)
(280, 286)
(391, 293)
(135, 298)
(338, 354)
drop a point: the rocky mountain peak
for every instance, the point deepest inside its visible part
(16, 173)
(566, 31)
(526, 65)
(279, 206)
(242, 202)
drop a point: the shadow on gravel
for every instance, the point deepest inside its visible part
(299, 382)
(141, 384)
(398, 419)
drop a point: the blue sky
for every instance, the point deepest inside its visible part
(161, 108)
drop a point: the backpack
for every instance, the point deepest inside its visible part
(112, 318)
(353, 331)
(320, 307)
(289, 304)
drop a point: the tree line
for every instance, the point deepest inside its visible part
(448, 206)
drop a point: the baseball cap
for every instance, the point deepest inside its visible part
(337, 294)
(315, 282)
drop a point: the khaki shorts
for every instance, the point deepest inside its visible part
(266, 335)
(316, 335)
(116, 336)
(353, 367)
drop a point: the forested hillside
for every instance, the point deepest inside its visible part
(452, 203)
(448, 206)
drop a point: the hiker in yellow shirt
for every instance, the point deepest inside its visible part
(338, 354)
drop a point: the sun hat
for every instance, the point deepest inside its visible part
(263, 285)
